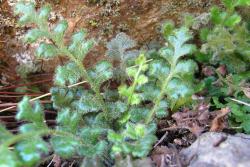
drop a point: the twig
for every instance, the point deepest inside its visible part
(72, 163)
(15, 96)
(19, 93)
(172, 128)
(162, 138)
(21, 85)
(42, 96)
(14, 104)
(48, 94)
(240, 102)
(50, 163)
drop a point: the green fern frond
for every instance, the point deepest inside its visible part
(101, 72)
(173, 84)
(118, 47)
(87, 103)
(95, 144)
(30, 151)
(135, 140)
(68, 120)
(69, 73)
(4, 134)
(62, 97)
(120, 52)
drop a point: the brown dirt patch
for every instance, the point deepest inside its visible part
(141, 19)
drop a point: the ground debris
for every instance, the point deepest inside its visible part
(199, 120)
(165, 156)
(219, 122)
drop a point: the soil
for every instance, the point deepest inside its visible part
(140, 19)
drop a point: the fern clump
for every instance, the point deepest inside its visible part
(100, 120)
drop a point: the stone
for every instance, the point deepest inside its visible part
(214, 149)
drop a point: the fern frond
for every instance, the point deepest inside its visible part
(173, 83)
(120, 51)
(118, 46)
(139, 133)
(69, 73)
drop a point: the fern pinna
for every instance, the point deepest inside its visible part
(99, 121)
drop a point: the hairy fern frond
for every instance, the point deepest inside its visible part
(136, 140)
(118, 47)
(120, 51)
(173, 83)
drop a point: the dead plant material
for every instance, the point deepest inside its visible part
(72, 23)
(219, 122)
(199, 120)
(161, 140)
(195, 121)
(164, 156)
(222, 70)
(57, 161)
(208, 71)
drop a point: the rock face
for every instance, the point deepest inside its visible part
(218, 150)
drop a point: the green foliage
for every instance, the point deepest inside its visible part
(64, 146)
(120, 120)
(175, 78)
(68, 73)
(27, 113)
(79, 47)
(101, 72)
(228, 39)
(96, 145)
(101, 119)
(27, 150)
(136, 140)
(4, 134)
(239, 116)
(30, 151)
(228, 43)
(139, 79)
(9, 158)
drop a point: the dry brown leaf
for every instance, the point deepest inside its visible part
(219, 123)
(72, 22)
(208, 71)
(196, 129)
(222, 70)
